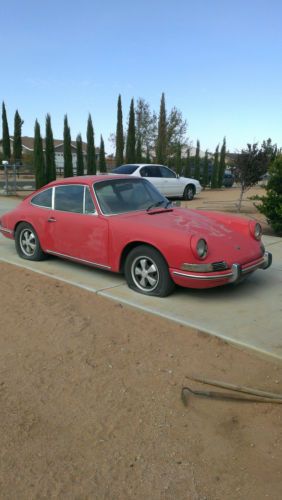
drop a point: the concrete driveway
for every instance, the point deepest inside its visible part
(248, 315)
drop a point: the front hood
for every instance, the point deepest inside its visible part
(184, 220)
(228, 236)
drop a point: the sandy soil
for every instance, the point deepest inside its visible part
(90, 403)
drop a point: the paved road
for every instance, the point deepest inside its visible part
(249, 314)
(21, 185)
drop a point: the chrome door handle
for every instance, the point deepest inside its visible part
(51, 219)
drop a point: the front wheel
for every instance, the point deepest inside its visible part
(27, 243)
(146, 272)
(189, 192)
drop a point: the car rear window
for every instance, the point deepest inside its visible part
(125, 169)
(43, 199)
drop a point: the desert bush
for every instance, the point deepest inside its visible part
(271, 203)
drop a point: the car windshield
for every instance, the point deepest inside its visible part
(125, 169)
(116, 196)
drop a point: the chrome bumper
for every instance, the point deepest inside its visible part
(238, 271)
(232, 275)
(5, 230)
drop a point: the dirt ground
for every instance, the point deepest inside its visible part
(225, 200)
(90, 404)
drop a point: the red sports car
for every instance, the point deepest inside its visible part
(123, 224)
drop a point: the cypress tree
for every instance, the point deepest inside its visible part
(139, 151)
(214, 179)
(49, 152)
(6, 135)
(221, 168)
(161, 143)
(197, 162)
(38, 158)
(17, 147)
(205, 181)
(79, 156)
(130, 140)
(119, 135)
(68, 168)
(102, 158)
(91, 154)
(187, 171)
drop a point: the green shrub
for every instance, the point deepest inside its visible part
(271, 204)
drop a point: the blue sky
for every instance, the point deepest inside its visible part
(218, 61)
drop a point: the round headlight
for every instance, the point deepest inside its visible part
(257, 231)
(202, 248)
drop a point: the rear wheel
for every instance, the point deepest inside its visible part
(189, 192)
(146, 271)
(27, 243)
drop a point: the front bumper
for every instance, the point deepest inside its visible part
(231, 275)
(9, 233)
(198, 188)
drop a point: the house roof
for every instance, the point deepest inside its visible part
(27, 143)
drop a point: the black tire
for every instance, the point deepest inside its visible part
(27, 243)
(189, 192)
(146, 271)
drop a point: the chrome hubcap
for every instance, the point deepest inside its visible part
(27, 242)
(145, 274)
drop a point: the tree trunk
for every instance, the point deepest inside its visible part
(239, 204)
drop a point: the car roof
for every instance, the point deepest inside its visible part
(142, 165)
(86, 179)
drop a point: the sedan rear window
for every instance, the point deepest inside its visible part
(125, 169)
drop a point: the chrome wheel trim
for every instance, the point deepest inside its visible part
(145, 273)
(28, 242)
(190, 193)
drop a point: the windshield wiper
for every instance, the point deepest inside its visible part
(158, 204)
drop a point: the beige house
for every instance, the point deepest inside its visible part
(27, 148)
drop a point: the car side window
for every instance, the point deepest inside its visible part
(166, 172)
(43, 199)
(69, 198)
(155, 172)
(89, 207)
(144, 172)
(150, 171)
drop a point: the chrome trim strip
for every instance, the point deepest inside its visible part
(5, 230)
(77, 259)
(53, 197)
(202, 276)
(253, 266)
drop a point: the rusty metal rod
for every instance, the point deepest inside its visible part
(227, 396)
(238, 388)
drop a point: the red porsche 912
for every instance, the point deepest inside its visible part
(123, 224)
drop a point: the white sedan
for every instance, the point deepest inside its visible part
(164, 179)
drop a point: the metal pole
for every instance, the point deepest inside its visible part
(5, 163)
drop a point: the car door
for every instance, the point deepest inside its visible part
(171, 182)
(75, 229)
(153, 174)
